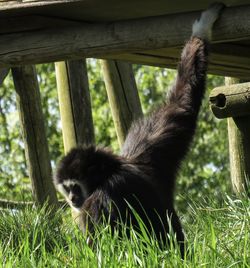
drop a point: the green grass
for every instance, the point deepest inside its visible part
(218, 236)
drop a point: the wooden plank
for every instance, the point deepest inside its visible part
(36, 146)
(18, 4)
(171, 62)
(99, 40)
(146, 59)
(224, 71)
(105, 11)
(239, 144)
(224, 54)
(123, 95)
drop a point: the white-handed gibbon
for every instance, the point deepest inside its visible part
(98, 183)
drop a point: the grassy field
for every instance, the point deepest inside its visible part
(218, 236)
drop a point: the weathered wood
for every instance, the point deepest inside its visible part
(223, 54)
(99, 40)
(123, 95)
(67, 118)
(80, 101)
(99, 10)
(33, 129)
(3, 73)
(222, 60)
(22, 24)
(14, 4)
(74, 103)
(231, 101)
(239, 144)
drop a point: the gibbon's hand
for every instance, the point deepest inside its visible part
(202, 27)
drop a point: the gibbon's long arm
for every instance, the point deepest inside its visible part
(162, 140)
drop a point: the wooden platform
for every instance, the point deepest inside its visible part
(140, 31)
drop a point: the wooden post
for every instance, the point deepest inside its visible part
(36, 146)
(239, 148)
(232, 101)
(74, 103)
(123, 95)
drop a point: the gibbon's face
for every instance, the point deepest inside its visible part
(81, 171)
(70, 177)
(74, 193)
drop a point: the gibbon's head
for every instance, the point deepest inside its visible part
(82, 171)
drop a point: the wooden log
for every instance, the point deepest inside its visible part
(231, 101)
(100, 39)
(36, 146)
(74, 103)
(239, 144)
(123, 95)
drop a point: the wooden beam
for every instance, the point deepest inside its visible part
(146, 58)
(19, 4)
(99, 10)
(224, 57)
(22, 24)
(239, 144)
(170, 60)
(219, 69)
(123, 95)
(231, 101)
(36, 146)
(224, 54)
(74, 103)
(98, 40)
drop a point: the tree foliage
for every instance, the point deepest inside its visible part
(204, 172)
